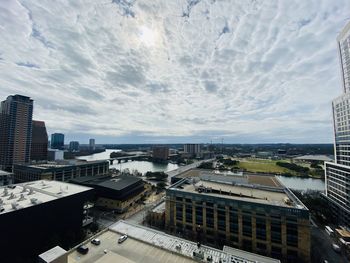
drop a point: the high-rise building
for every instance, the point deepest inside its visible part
(57, 141)
(92, 144)
(192, 149)
(39, 141)
(74, 146)
(338, 173)
(160, 153)
(15, 130)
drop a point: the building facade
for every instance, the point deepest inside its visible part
(15, 131)
(192, 149)
(338, 174)
(57, 141)
(59, 171)
(39, 141)
(267, 221)
(160, 153)
(92, 146)
(74, 146)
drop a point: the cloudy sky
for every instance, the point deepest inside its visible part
(133, 71)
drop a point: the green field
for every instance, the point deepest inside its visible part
(263, 166)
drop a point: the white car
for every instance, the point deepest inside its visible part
(122, 239)
(336, 248)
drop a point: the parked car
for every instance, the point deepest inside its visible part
(122, 239)
(83, 249)
(336, 248)
(96, 241)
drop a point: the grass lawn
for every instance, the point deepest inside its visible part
(264, 166)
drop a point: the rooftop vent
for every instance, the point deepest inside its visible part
(31, 191)
(21, 198)
(1, 201)
(2, 209)
(24, 189)
(12, 196)
(35, 201)
(14, 206)
(6, 192)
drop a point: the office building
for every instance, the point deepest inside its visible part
(57, 141)
(60, 170)
(38, 215)
(15, 130)
(55, 155)
(116, 193)
(253, 213)
(92, 145)
(338, 173)
(149, 246)
(74, 146)
(39, 142)
(160, 153)
(192, 149)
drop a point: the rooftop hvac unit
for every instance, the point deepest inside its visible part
(12, 196)
(14, 206)
(2, 209)
(21, 198)
(24, 189)
(1, 201)
(31, 191)
(6, 192)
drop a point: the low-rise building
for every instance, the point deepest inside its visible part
(116, 193)
(59, 171)
(253, 213)
(55, 155)
(6, 178)
(156, 217)
(37, 215)
(149, 246)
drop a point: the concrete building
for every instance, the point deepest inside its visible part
(15, 130)
(149, 246)
(6, 178)
(193, 149)
(59, 171)
(160, 153)
(116, 193)
(92, 146)
(55, 155)
(74, 146)
(39, 142)
(38, 215)
(255, 214)
(57, 141)
(338, 173)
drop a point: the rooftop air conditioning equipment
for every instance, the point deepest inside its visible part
(12, 196)
(6, 192)
(24, 189)
(33, 201)
(14, 205)
(1, 201)
(2, 209)
(31, 191)
(21, 198)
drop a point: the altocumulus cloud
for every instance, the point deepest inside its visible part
(155, 71)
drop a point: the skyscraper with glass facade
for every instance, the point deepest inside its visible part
(16, 114)
(338, 173)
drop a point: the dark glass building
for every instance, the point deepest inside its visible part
(57, 141)
(39, 141)
(15, 130)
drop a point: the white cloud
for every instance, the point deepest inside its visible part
(124, 69)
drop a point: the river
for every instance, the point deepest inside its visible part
(141, 166)
(144, 166)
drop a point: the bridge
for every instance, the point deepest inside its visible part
(127, 158)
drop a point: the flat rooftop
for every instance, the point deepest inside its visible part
(59, 164)
(147, 245)
(255, 193)
(19, 196)
(324, 158)
(5, 173)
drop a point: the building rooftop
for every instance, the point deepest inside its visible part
(324, 158)
(149, 245)
(116, 183)
(52, 254)
(19, 196)
(243, 190)
(159, 208)
(4, 173)
(59, 164)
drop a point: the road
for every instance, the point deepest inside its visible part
(321, 247)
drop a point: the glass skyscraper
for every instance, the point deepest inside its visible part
(338, 173)
(16, 114)
(57, 141)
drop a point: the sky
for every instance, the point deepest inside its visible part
(175, 71)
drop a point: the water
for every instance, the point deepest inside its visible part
(302, 183)
(141, 166)
(144, 166)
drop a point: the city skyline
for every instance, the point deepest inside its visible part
(190, 71)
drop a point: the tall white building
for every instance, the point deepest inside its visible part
(338, 173)
(193, 149)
